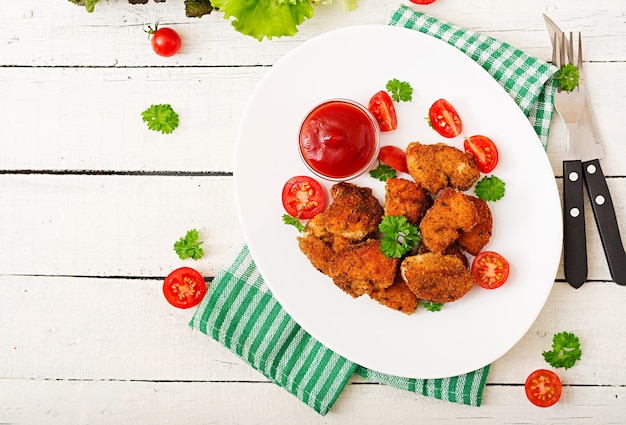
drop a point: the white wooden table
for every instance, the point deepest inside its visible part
(91, 203)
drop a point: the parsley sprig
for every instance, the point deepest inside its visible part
(568, 77)
(431, 306)
(565, 350)
(400, 91)
(188, 246)
(383, 172)
(490, 188)
(160, 118)
(293, 221)
(399, 236)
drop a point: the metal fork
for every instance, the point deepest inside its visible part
(570, 106)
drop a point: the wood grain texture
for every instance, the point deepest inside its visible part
(91, 204)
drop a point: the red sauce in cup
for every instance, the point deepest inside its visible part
(339, 139)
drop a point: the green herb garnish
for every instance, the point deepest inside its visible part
(565, 350)
(399, 236)
(400, 91)
(189, 246)
(568, 77)
(489, 188)
(383, 172)
(160, 118)
(431, 306)
(293, 221)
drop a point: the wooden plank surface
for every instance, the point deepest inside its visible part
(91, 204)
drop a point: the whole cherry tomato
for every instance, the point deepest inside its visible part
(165, 41)
(422, 1)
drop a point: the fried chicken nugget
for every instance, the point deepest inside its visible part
(319, 245)
(453, 250)
(354, 213)
(451, 213)
(406, 198)
(435, 277)
(439, 165)
(362, 268)
(474, 240)
(397, 297)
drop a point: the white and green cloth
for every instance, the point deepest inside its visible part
(240, 312)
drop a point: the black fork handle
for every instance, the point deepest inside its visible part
(574, 238)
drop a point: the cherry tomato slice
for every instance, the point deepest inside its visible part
(483, 150)
(381, 106)
(184, 287)
(166, 42)
(543, 388)
(422, 1)
(394, 157)
(303, 196)
(490, 269)
(444, 119)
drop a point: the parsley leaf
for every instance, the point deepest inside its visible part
(383, 172)
(568, 77)
(189, 246)
(489, 188)
(399, 236)
(565, 350)
(160, 118)
(400, 91)
(293, 221)
(431, 306)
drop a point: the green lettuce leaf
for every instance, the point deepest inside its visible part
(266, 18)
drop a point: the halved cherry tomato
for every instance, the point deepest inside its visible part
(444, 119)
(490, 269)
(483, 150)
(303, 196)
(381, 106)
(422, 1)
(543, 388)
(394, 157)
(184, 287)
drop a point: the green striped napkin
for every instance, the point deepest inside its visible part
(240, 312)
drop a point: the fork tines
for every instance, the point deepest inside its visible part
(564, 47)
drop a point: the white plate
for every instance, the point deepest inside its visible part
(355, 62)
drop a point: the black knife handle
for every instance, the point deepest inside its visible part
(574, 238)
(604, 212)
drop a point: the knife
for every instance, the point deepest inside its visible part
(590, 151)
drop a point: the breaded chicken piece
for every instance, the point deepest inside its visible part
(354, 212)
(397, 297)
(437, 166)
(451, 213)
(453, 250)
(362, 268)
(319, 253)
(435, 277)
(319, 245)
(474, 240)
(406, 198)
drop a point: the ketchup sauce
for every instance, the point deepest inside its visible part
(339, 139)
